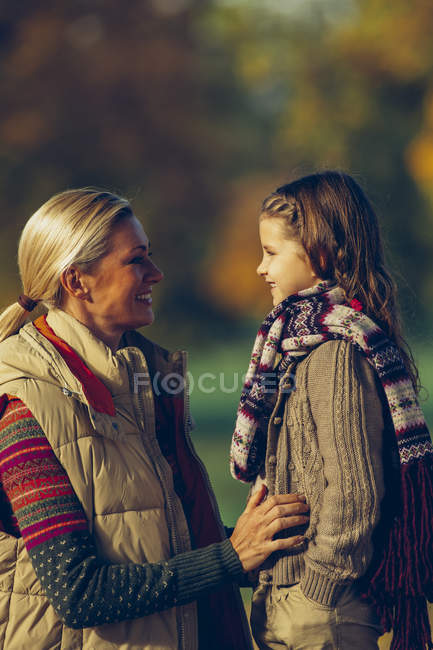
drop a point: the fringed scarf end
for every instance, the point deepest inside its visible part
(403, 581)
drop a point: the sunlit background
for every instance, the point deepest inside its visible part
(195, 110)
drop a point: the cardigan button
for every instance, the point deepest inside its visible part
(265, 577)
(278, 420)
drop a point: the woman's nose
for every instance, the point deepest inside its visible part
(155, 273)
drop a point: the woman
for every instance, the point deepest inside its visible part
(111, 535)
(342, 425)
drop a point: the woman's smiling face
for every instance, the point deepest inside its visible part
(121, 282)
(285, 265)
(115, 294)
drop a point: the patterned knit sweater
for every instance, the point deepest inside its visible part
(38, 503)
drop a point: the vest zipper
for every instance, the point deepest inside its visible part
(171, 515)
(212, 498)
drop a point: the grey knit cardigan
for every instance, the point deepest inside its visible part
(325, 441)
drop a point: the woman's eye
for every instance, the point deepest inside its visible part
(140, 259)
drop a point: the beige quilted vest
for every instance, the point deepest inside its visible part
(117, 471)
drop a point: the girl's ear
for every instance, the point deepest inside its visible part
(323, 264)
(73, 282)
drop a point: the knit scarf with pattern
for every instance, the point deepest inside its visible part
(400, 577)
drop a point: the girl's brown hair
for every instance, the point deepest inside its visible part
(331, 216)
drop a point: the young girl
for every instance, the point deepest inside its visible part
(329, 409)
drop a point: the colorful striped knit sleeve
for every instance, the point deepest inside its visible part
(39, 504)
(41, 497)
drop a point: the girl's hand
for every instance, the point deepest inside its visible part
(253, 535)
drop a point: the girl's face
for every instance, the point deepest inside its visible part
(285, 265)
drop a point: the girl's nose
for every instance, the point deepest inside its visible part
(260, 269)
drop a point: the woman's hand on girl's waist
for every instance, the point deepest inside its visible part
(253, 536)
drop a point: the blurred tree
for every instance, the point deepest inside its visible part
(196, 109)
(113, 95)
(346, 85)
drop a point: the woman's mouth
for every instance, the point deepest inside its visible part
(145, 298)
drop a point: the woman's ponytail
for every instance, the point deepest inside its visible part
(11, 319)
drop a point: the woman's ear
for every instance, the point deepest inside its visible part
(73, 282)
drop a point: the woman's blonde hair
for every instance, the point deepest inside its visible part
(72, 227)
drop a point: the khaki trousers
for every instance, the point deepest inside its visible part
(282, 617)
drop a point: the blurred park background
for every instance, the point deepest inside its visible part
(196, 110)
